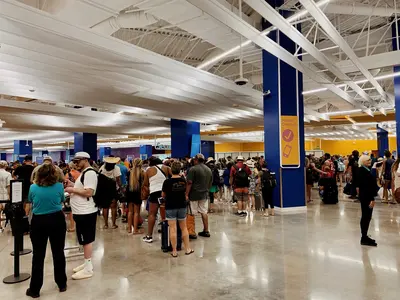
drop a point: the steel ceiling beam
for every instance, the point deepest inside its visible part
(269, 13)
(335, 36)
(220, 13)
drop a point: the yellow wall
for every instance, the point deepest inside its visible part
(332, 147)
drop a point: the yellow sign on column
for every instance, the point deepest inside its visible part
(290, 155)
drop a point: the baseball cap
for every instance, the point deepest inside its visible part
(82, 155)
(47, 157)
(199, 156)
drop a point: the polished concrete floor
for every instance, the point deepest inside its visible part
(304, 256)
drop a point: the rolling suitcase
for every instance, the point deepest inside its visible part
(190, 221)
(258, 201)
(165, 241)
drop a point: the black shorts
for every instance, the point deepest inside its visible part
(86, 228)
(154, 197)
(134, 197)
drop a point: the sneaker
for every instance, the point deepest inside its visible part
(148, 239)
(29, 293)
(204, 234)
(79, 268)
(83, 274)
(192, 236)
(238, 213)
(243, 214)
(63, 289)
(367, 241)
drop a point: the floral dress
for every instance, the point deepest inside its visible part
(253, 183)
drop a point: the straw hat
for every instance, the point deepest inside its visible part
(111, 160)
(210, 159)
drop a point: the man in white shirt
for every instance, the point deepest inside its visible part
(5, 179)
(84, 211)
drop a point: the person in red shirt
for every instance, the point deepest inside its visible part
(239, 179)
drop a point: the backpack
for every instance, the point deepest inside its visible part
(340, 166)
(216, 178)
(269, 180)
(105, 190)
(241, 178)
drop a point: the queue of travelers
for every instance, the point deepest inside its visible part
(175, 190)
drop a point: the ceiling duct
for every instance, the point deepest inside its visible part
(137, 19)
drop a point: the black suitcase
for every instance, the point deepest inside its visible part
(165, 242)
(330, 195)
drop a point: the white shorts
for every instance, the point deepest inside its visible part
(200, 206)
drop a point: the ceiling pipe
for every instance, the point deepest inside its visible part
(127, 20)
(359, 10)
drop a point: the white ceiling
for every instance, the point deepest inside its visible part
(140, 63)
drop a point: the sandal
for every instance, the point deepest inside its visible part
(71, 230)
(174, 256)
(190, 252)
(138, 232)
(114, 227)
(105, 227)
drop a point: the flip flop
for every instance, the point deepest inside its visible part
(114, 227)
(190, 252)
(137, 232)
(70, 230)
(105, 227)
(174, 256)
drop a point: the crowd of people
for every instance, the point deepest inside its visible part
(173, 190)
(364, 179)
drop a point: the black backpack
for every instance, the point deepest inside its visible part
(105, 190)
(269, 180)
(241, 178)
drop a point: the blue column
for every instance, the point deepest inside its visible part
(45, 152)
(208, 149)
(285, 85)
(104, 152)
(185, 138)
(146, 151)
(86, 142)
(383, 140)
(21, 149)
(69, 154)
(396, 83)
(3, 156)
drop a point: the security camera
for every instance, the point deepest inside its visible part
(241, 81)
(267, 93)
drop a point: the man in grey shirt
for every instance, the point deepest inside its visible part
(199, 181)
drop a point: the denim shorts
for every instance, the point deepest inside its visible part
(176, 214)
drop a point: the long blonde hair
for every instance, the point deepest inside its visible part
(136, 176)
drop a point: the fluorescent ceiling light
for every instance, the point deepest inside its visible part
(343, 112)
(292, 18)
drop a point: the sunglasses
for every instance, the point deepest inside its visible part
(76, 161)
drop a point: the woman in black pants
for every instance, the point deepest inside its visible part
(366, 189)
(48, 223)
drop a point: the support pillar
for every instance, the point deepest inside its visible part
(3, 156)
(383, 140)
(21, 149)
(45, 153)
(396, 69)
(145, 151)
(185, 138)
(86, 142)
(208, 149)
(104, 152)
(284, 125)
(69, 154)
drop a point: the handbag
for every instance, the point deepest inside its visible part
(190, 220)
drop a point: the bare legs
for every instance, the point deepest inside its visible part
(204, 217)
(113, 215)
(153, 209)
(308, 189)
(130, 216)
(173, 235)
(252, 202)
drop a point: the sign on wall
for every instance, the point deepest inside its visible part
(290, 155)
(159, 146)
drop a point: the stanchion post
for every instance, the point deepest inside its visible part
(16, 200)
